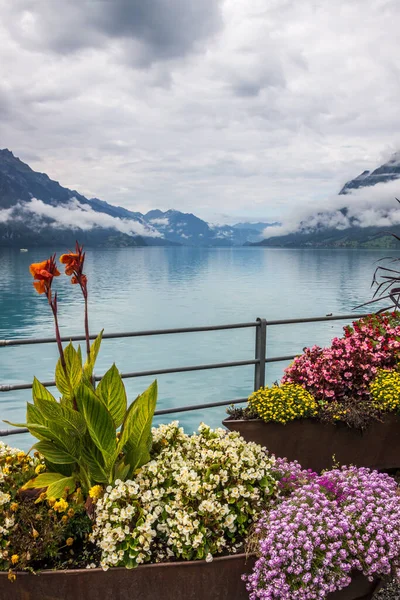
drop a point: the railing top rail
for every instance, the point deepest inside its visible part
(125, 334)
(151, 332)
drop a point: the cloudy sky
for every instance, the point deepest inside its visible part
(231, 109)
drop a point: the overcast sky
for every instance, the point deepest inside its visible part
(231, 109)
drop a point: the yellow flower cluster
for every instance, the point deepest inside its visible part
(385, 390)
(96, 492)
(60, 506)
(283, 403)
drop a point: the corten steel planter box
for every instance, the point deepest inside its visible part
(359, 589)
(314, 444)
(195, 580)
(190, 580)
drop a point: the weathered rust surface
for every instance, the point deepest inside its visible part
(359, 589)
(191, 580)
(197, 580)
(314, 444)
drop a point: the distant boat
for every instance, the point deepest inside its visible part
(23, 249)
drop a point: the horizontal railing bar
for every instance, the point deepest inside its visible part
(280, 358)
(316, 319)
(164, 411)
(237, 363)
(151, 332)
(168, 411)
(109, 336)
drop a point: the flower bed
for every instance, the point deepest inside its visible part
(322, 531)
(340, 403)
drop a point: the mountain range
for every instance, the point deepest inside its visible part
(352, 235)
(37, 211)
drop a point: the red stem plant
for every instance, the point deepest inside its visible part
(74, 262)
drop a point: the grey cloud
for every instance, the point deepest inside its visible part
(149, 30)
(73, 215)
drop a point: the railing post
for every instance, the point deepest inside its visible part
(261, 344)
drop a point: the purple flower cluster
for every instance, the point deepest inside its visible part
(330, 525)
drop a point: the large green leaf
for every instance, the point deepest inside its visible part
(62, 415)
(111, 391)
(98, 420)
(39, 391)
(93, 458)
(94, 350)
(53, 453)
(33, 414)
(135, 437)
(55, 483)
(68, 381)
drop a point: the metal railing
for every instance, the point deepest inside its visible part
(259, 361)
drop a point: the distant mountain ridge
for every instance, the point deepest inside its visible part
(22, 218)
(349, 237)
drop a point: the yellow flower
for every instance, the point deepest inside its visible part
(39, 469)
(9, 460)
(64, 519)
(96, 491)
(61, 505)
(51, 501)
(11, 576)
(14, 559)
(71, 513)
(21, 455)
(14, 506)
(35, 533)
(69, 541)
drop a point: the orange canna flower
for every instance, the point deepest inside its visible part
(43, 274)
(73, 262)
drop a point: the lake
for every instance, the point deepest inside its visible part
(156, 288)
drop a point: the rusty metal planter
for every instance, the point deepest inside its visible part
(314, 444)
(190, 580)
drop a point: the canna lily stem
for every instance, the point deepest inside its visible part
(53, 304)
(86, 325)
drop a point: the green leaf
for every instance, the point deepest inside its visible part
(64, 469)
(135, 437)
(61, 415)
(98, 420)
(54, 482)
(94, 350)
(91, 455)
(121, 471)
(68, 381)
(111, 391)
(33, 415)
(79, 352)
(54, 454)
(39, 391)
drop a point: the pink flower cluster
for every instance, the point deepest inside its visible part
(346, 368)
(312, 541)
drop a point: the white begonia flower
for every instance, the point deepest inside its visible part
(186, 486)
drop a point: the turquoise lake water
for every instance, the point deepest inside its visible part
(155, 288)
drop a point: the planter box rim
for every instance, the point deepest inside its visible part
(182, 563)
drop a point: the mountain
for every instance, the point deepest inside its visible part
(35, 210)
(386, 172)
(353, 235)
(189, 230)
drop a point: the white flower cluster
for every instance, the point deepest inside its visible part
(6, 522)
(196, 498)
